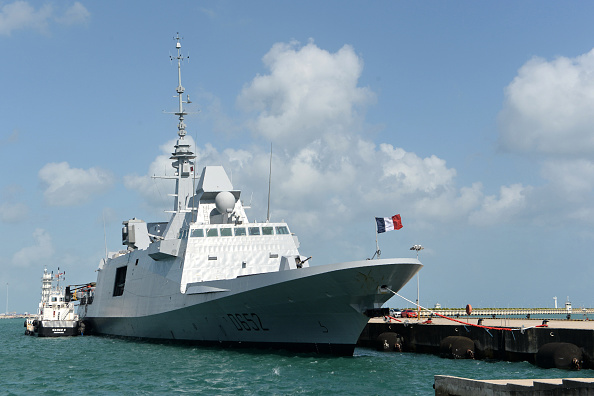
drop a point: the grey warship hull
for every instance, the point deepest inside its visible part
(315, 309)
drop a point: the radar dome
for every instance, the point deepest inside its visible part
(225, 202)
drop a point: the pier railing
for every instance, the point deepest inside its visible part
(505, 312)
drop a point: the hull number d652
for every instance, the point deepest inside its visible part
(247, 322)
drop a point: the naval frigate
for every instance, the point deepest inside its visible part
(210, 276)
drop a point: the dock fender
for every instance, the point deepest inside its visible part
(457, 347)
(479, 347)
(561, 355)
(84, 327)
(389, 342)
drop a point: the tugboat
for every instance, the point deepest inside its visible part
(210, 276)
(55, 315)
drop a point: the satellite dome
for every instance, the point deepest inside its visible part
(225, 202)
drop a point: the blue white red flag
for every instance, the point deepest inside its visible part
(388, 223)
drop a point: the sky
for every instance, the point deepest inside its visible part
(472, 120)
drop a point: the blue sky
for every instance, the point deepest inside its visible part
(473, 120)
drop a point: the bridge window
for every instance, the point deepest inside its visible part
(225, 231)
(212, 232)
(254, 230)
(198, 233)
(282, 230)
(240, 231)
(267, 231)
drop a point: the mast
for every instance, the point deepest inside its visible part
(269, 182)
(183, 157)
(183, 162)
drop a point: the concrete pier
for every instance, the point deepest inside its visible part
(521, 344)
(447, 386)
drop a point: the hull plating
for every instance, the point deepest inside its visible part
(318, 309)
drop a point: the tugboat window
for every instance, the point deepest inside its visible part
(120, 281)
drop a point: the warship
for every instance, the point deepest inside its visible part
(209, 276)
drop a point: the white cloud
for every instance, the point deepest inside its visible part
(548, 112)
(39, 252)
(320, 183)
(311, 106)
(76, 14)
(573, 178)
(21, 15)
(323, 170)
(450, 204)
(407, 172)
(66, 186)
(548, 107)
(496, 210)
(309, 91)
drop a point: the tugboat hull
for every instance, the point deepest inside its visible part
(57, 328)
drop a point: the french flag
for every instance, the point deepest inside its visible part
(388, 223)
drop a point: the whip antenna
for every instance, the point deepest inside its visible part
(269, 182)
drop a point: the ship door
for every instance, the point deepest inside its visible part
(120, 281)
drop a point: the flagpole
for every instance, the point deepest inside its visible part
(377, 249)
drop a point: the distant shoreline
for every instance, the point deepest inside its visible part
(17, 316)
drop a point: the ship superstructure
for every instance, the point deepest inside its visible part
(211, 276)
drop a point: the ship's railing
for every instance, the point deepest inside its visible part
(503, 312)
(83, 295)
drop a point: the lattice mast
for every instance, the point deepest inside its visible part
(183, 157)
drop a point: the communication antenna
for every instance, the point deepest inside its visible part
(194, 207)
(183, 157)
(269, 182)
(104, 235)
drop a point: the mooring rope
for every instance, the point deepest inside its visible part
(460, 321)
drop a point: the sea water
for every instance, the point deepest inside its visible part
(96, 365)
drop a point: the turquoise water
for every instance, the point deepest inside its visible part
(107, 366)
